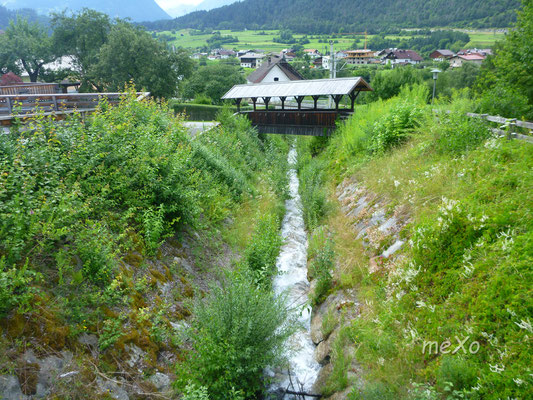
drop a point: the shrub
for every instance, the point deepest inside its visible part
(263, 250)
(456, 372)
(505, 101)
(393, 129)
(16, 287)
(238, 331)
(458, 133)
(312, 192)
(320, 269)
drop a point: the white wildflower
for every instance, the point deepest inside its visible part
(496, 368)
(396, 183)
(518, 381)
(525, 325)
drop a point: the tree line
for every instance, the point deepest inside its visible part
(105, 54)
(332, 16)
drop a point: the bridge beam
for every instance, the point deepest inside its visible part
(337, 99)
(238, 102)
(254, 101)
(353, 96)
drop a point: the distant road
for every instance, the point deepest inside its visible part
(198, 127)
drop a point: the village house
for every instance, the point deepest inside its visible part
(251, 60)
(441, 55)
(358, 57)
(400, 57)
(274, 69)
(459, 60)
(313, 53)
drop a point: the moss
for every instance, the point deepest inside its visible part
(133, 259)
(158, 275)
(27, 373)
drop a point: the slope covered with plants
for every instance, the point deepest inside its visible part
(329, 16)
(111, 230)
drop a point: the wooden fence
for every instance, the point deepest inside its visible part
(30, 88)
(26, 106)
(507, 126)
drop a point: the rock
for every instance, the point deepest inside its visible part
(10, 388)
(136, 355)
(393, 249)
(88, 340)
(388, 225)
(322, 378)
(160, 381)
(185, 264)
(316, 328)
(323, 352)
(51, 367)
(112, 389)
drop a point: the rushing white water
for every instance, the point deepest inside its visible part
(292, 279)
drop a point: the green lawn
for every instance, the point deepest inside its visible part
(264, 40)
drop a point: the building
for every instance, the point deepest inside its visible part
(251, 60)
(313, 53)
(325, 62)
(401, 57)
(441, 55)
(358, 57)
(274, 69)
(459, 60)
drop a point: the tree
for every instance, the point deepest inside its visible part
(28, 44)
(81, 36)
(8, 60)
(512, 65)
(131, 54)
(212, 81)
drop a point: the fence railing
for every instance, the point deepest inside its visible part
(24, 106)
(507, 126)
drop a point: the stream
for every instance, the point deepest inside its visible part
(292, 279)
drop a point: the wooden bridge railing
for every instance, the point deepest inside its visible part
(57, 104)
(29, 88)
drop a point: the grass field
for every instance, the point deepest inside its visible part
(264, 40)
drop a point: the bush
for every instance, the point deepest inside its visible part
(320, 269)
(458, 133)
(506, 102)
(312, 192)
(456, 372)
(263, 250)
(239, 330)
(16, 287)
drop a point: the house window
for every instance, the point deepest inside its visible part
(276, 79)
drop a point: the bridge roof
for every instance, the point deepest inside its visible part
(315, 87)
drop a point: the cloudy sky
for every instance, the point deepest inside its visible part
(168, 4)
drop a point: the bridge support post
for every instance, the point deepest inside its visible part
(238, 102)
(254, 101)
(353, 96)
(283, 98)
(315, 99)
(337, 99)
(299, 100)
(266, 100)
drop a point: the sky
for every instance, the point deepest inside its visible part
(168, 4)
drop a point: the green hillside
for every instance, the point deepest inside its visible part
(328, 16)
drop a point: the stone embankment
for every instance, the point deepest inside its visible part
(378, 226)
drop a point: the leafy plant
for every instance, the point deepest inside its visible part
(16, 287)
(238, 330)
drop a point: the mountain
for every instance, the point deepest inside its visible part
(31, 15)
(137, 10)
(327, 16)
(183, 9)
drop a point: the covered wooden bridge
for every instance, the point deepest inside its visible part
(298, 120)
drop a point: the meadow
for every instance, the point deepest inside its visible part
(264, 40)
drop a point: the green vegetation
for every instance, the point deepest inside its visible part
(308, 17)
(89, 210)
(238, 331)
(198, 112)
(265, 39)
(466, 271)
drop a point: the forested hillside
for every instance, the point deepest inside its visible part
(7, 15)
(137, 10)
(326, 16)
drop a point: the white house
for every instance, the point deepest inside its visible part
(274, 69)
